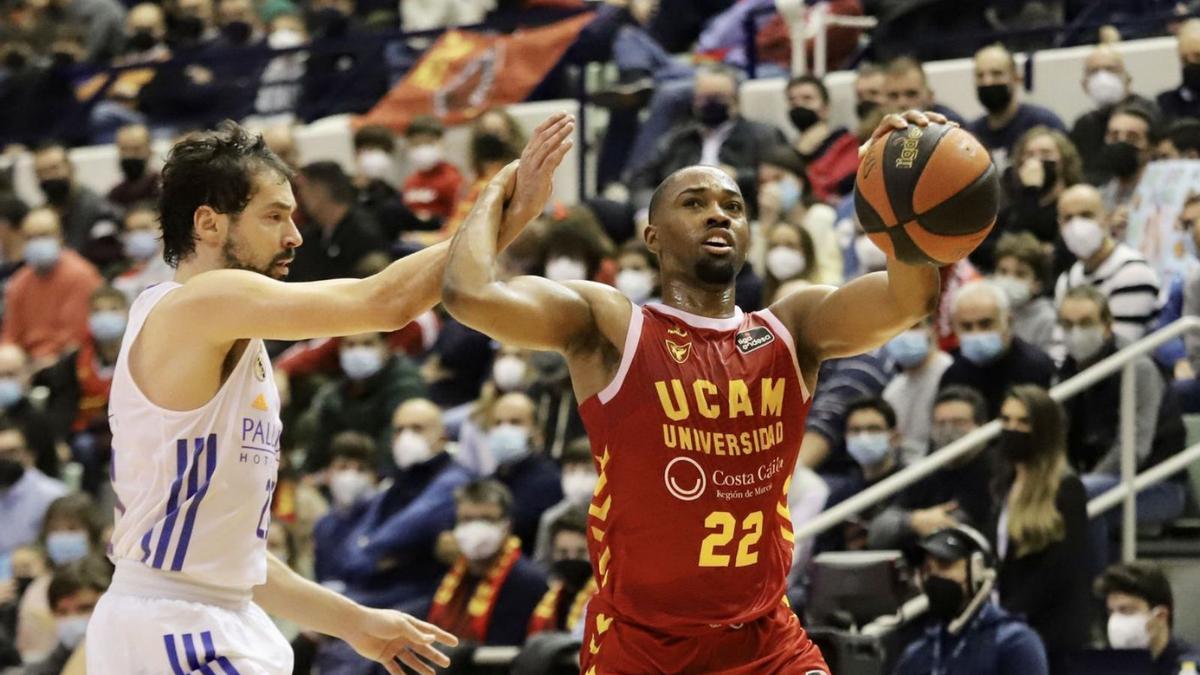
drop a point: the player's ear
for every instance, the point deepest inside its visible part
(650, 235)
(208, 225)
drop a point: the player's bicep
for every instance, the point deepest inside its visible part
(527, 312)
(830, 322)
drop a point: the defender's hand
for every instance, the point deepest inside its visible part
(392, 638)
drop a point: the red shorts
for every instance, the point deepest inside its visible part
(774, 643)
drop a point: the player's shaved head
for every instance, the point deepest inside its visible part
(672, 184)
(698, 227)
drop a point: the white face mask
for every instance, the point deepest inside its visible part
(578, 486)
(870, 257)
(785, 263)
(1084, 343)
(1129, 631)
(359, 363)
(285, 38)
(1083, 237)
(410, 448)
(348, 486)
(508, 442)
(508, 372)
(637, 285)
(425, 157)
(1018, 291)
(565, 269)
(71, 630)
(1105, 88)
(478, 539)
(374, 164)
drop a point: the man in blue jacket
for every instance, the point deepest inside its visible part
(970, 635)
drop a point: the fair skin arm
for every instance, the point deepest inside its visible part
(377, 634)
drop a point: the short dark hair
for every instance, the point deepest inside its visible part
(1092, 294)
(211, 168)
(959, 393)
(375, 136)
(353, 445)
(903, 64)
(486, 491)
(1185, 134)
(1141, 580)
(1134, 109)
(638, 247)
(334, 178)
(92, 572)
(578, 232)
(578, 451)
(573, 519)
(13, 209)
(814, 81)
(425, 125)
(77, 506)
(1026, 249)
(873, 403)
(722, 70)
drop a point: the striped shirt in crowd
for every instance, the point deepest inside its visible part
(1129, 283)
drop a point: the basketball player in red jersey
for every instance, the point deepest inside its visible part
(695, 412)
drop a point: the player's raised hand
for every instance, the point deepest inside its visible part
(901, 121)
(534, 180)
(392, 638)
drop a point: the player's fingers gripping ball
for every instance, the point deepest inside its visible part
(927, 195)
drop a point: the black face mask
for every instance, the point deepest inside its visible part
(803, 118)
(23, 584)
(864, 108)
(10, 472)
(329, 22)
(574, 573)
(712, 113)
(489, 147)
(142, 40)
(946, 598)
(188, 28)
(994, 97)
(62, 60)
(56, 190)
(1120, 158)
(15, 60)
(237, 32)
(133, 168)
(1191, 76)
(1016, 446)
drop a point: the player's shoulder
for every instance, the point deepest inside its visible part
(610, 309)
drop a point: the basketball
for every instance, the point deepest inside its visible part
(927, 195)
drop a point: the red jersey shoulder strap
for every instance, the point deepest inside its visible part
(632, 337)
(786, 336)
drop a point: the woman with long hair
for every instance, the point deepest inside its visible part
(1040, 528)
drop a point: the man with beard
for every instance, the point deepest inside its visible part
(194, 411)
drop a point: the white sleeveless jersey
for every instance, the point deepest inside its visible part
(194, 488)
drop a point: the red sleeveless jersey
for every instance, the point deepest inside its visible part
(695, 440)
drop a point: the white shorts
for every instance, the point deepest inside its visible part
(133, 635)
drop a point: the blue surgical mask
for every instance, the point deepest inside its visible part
(359, 363)
(140, 244)
(42, 252)
(107, 326)
(868, 448)
(67, 547)
(11, 391)
(71, 630)
(508, 442)
(981, 348)
(909, 348)
(789, 194)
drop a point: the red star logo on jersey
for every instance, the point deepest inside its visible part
(679, 352)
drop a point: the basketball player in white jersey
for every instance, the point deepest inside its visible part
(195, 419)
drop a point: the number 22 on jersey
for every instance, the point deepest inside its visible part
(726, 526)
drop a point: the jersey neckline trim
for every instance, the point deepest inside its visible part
(697, 321)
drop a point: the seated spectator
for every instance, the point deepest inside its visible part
(717, 135)
(911, 393)
(1128, 143)
(25, 492)
(1184, 101)
(997, 85)
(906, 88)
(578, 482)
(1107, 83)
(103, 20)
(1182, 141)
(55, 278)
(240, 24)
(141, 244)
(489, 595)
(1040, 528)
(969, 634)
(139, 182)
(990, 358)
(790, 261)
(1022, 268)
(637, 273)
(496, 140)
(958, 492)
(375, 179)
(572, 584)
(78, 207)
(73, 593)
(39, 431)
(12, 213)
(785, 196)
(352, 480)
(338, 232)
(874, 444)
(1141, 615)
(432, 189)
(343, 74)
(574, 247)
(373, 383)
(458, 363)
(830, 153)
(28, 564)
(1117, 270)
(192, 24)
(533, 479)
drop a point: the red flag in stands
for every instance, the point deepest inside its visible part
(464, 73)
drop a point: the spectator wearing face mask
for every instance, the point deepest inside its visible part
(139, 181)
(239, 23)
(990, 357)
(339, 232)
(73, 593)
(572, 583)
(790, 262)
(968, 632)
(432, 189)
(39, 432)
(912, 391)
(785, 196)
(141, 246)
(1106, 82)
(28, 563)
(489, 595)
(25, 492)
(533, 479)
(1141, 615)
(997, 85)
(1126, 151)
(78, 207)
(578, 482)
(344, 74)
(959, 492)
(351, 479)
(1022, 266)
(496, 140)
(830, 153)
(511, 371)
(574, 247)
(375, 180)
(637, 273)
(1040, 528)
(1117, 270)
(373, 383)
(1184, 100)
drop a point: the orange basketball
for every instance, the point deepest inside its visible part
(927, 195)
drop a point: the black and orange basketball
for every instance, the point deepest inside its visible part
(927, 195)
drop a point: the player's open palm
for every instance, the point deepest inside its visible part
(392, 638)
(534, 181)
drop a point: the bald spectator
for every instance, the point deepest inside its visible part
(1114, 268)
(145, 35)
(46, 303)
(80, 210)
(239, 24)
(139, 180)
(1126, 151)
(907, 88)
(991, 358)
(1184, 100)
(998, 85)
(281, 139)
(1107, 83)
(533, 479)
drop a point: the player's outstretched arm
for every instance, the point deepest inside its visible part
(386, 636)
